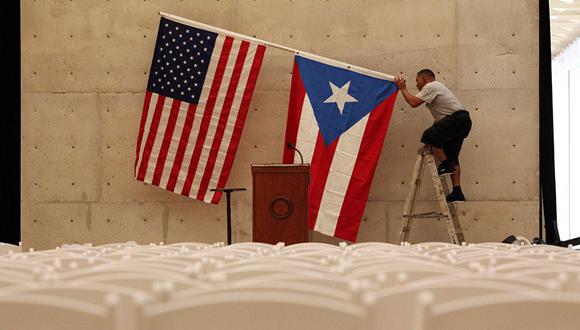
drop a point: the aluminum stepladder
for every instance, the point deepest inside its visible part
(446, 211)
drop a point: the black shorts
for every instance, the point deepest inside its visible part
(448, 134)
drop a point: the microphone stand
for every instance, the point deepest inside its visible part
(228, 192)
(292, 147)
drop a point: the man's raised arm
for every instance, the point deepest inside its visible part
(410, 98)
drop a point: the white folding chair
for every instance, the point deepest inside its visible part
(310, 247)
(338, 290)
(7, 248)
(254, 309)
(514, 311)
(35, 311)
(398, 306)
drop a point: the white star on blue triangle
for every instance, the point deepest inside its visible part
(340, 96)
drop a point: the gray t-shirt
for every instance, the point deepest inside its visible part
(439, 99)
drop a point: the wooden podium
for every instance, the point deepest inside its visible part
(280, 203)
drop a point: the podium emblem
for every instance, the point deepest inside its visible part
(280, 207)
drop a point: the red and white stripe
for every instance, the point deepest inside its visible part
(340, 173)
(189, 149)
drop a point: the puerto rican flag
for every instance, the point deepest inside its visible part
(199, 90)
(338, 119)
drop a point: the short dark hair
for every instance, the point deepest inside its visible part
(426, 72)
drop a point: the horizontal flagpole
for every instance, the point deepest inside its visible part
(274, 45)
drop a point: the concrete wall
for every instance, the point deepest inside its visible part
(85, 67)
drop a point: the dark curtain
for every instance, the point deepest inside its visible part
(547, 172)
(10, 124)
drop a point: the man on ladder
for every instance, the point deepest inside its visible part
(452, 124)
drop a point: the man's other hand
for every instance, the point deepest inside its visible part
(400, 82)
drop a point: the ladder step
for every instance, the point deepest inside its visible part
(428, 215)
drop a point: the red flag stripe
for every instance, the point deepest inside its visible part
(223, 119)
(294, 112)
(146, 106)
(319, 168)
(174, 143)
(183, 139)
(231, 121)
(207, 115)
(200, 108)
(257, 63)
(151, 138)
(158, 140)
(167, 138)
(213, 124)
(358, 189)
(147, 128)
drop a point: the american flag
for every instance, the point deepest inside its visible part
(338, 119)
(198, 94)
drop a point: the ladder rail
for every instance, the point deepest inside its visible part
(410, 202)
(441, 200)
(447, 211)
(453, 211)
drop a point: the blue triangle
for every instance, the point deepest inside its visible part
(368, 91)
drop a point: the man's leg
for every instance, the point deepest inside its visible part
(456, 177)
(447, 165)
(436, 137)
(456, 194)
(439, 153)
(460, 127)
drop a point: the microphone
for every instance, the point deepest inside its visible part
(292, 147)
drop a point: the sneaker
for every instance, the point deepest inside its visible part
(455, 197)
(446, 168)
